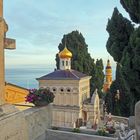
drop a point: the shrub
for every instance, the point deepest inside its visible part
(76, 130)
(102, 132)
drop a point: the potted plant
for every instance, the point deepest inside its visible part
(40, 97)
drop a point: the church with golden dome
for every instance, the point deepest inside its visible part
(108, 77)
(71, 89)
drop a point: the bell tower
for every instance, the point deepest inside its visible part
(108, 72)
(108, 76)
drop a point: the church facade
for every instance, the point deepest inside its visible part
(71, 89)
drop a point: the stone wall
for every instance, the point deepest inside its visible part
(30, 124)
(12, 126)
(62, 135)
(37, 121)
(64, 115)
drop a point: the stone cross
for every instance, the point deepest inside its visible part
(5, 43)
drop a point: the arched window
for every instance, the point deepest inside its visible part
(61, 89)
(68, 90)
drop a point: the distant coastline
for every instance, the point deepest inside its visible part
(25, 76)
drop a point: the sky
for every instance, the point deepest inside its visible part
(39, 25)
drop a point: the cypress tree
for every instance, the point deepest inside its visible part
(133, 8)
(127, 56)
(119, 29)
(81, 59)
(98, 77)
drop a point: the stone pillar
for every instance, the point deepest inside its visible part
(10, 44)
(2, 80)
(1, 8)
(137, 120)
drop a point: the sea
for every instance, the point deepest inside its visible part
(26, 76)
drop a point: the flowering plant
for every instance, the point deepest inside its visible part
(40, 97)
(102, 132)
(111, 130)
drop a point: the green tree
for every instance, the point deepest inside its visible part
(124, 45)
(122, 105)
(81, 59)
(131, 58)
(98, 76)
(109, 101)
(130, 67)
(119, 29)
(133, 8)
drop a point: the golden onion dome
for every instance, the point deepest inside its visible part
(65, 53)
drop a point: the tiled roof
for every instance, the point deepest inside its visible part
(63, 74)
